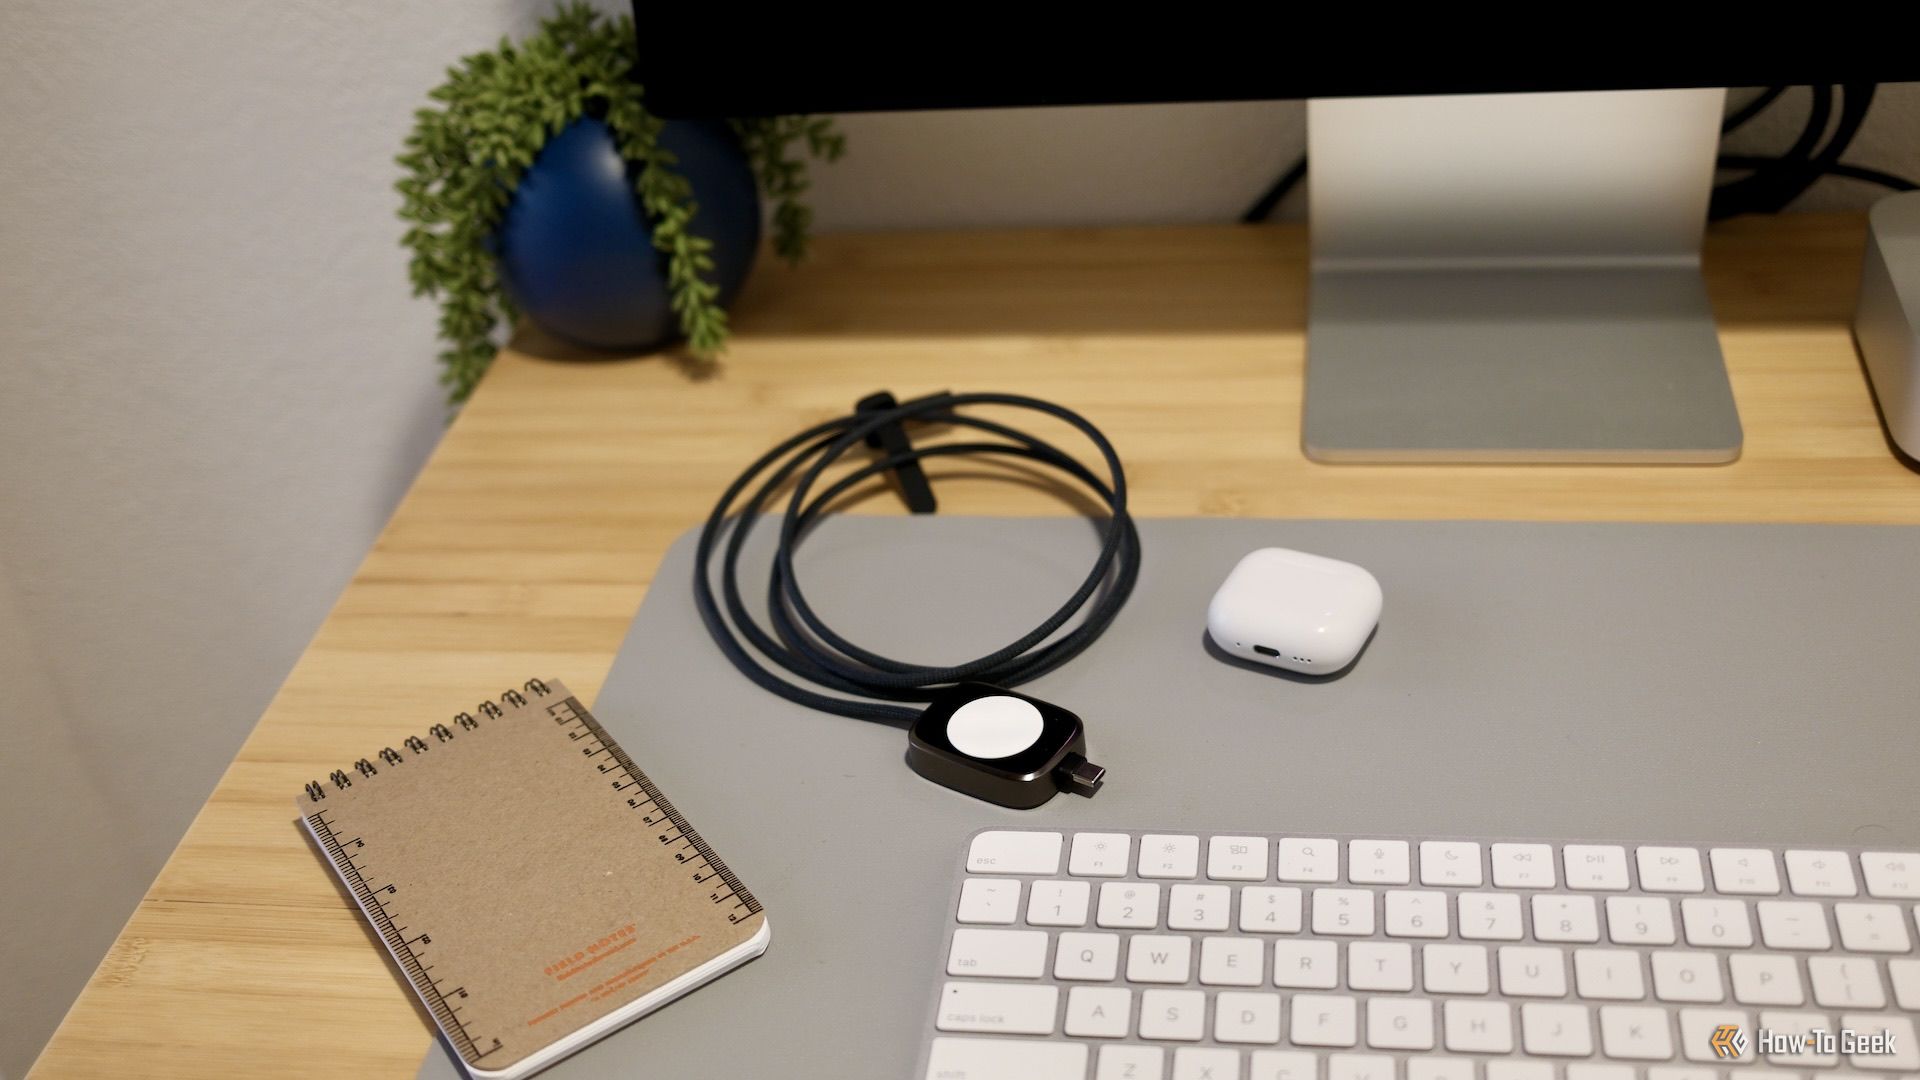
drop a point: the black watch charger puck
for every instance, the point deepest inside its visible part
(1000, 746)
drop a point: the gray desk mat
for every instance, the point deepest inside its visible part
(1634, 682)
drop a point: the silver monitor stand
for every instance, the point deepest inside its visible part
(1514, 277)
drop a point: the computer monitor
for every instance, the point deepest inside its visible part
(1505, 263)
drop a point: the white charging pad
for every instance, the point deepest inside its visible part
(994, 727)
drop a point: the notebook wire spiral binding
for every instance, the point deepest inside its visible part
(342, 780)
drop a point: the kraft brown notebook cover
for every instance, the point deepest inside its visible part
(534, 886)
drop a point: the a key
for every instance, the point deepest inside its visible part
(1454, 969)
(1820, 873)
(1489, 916)
(1098, 1012)
(1129, 905)
(1058, 903)
(1287, 1065)
(1716, 923)
(1558, 917)
(1361, 1067)
(1791, 1033)
(1480, 1027)
(1608, 974)
(1240, 1017)
(1128, 1063)
(1399, 1023)
(1687, 976)
(1905, 1053)
(1006, 852)
(1416, 914)
(1594, 866)
(1312, 860)
(1765, 979)
(1670, 870)
(1871, 927)
(1169, 856)
(1452, 863)
(1226, 961)
(989, 901)
(1635, 1033)
(1523, 866)
(1891, 875)
(1849, 982)
(1271, 910)
(1696, 1034)
(1198, 907)
(999, 954)
(1378, 862)
(1159, 958)
(1100, 855)
(1237, 858)
(1306, 965)
(1639, 920)
(1323, 1020)
(1744, 871)
(1206, 1063)
(1092, 957)
(1173, 1014)
(1532, 971)
(1379, 965)
(1555, 1030)
(998, 1008)
(1793, 924)
(996, 1059)
(1344, 912)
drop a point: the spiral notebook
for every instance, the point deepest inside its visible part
(536, 889)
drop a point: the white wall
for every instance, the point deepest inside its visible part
(216, 385)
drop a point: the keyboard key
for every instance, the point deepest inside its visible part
(1169, 856)
(1130, 1063)
(1820, 873)
(1891, 875)
(1286, 1065)
(1793, 924)
(1905, 976)
(989, 901)
(1846, 982)
(1558, 917)
(1378, 862)
(1591, 866)
(1639, 920)
(1670, 870)
(1399, 1023)
(1696, 1034)
(1687, 976)
(1058, 903)
(1690, 1072)
(1240, 1017)
(1608, 974)
(1454, 863)
(1582, 1071)
(1092, 957)
(1555, 1030)
(996, 1059)
(1207, 1063)
(998, 1008)
(1306, 965)
(1480, 1027)
(1523, 866)
(1762, 979)
(1099, 1012)
(1198, 907)
(1412, 914)
(1793, 1030)
(1716, 923)
(1266, 909)
(1431, 1067)
(1519, 1069)
(1744, 871)
(1323, 1020)
(1454, 969)
(1635, 1033)
(1379, 965)
(1237, 858)
(1173, 1014)
(1226, 961)
(1309, 860)
(1159, 958)
(1129, 905)
(1489, 916)
(1361, 1067)
(1100, 854)
(1532, 971)
(1905, 1055)
(1871, 927)
(1003, 852)
(1343, 912)
(998, 954)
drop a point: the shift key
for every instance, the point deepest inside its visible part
(1003, 1009)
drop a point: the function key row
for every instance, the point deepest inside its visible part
(1447, 863)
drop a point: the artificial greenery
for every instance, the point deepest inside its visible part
(496, 111)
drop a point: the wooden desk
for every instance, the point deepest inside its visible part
(529, 539)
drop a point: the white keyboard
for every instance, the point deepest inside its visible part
(1126, 955)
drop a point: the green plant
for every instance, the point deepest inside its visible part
(466, 155)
